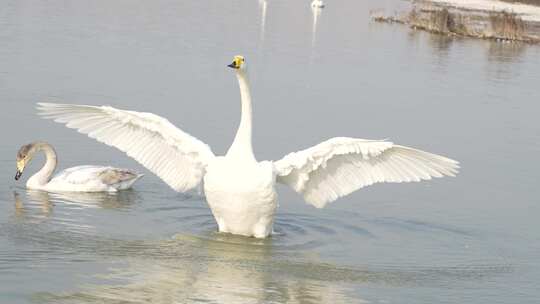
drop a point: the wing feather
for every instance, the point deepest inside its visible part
(341, 165)
(176, 157)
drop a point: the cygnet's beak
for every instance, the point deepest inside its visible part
(20, 167)
(233, 65)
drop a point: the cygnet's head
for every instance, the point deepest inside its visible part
(23, 158)
(238, 63)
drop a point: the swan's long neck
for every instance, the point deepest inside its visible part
(241, 147)
(43, 176)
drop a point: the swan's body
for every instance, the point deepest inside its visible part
(317, 4)
(241, 195)
(239, 189)
(75, 179)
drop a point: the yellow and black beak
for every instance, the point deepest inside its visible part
(20, 168)
(234, 65)
(237, 62)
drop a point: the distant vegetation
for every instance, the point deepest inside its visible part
(533, 2)
(489, 25)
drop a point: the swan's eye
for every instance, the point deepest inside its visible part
(23, 152)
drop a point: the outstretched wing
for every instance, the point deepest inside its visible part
(341, 165)
(176, 157)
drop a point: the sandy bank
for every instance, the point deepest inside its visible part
(525, 11)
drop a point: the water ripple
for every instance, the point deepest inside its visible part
(192, 262)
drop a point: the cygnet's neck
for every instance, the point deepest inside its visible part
(242, 147)
(43, 176)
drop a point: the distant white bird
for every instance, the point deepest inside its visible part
(75, 179)
(317, 4)
(240, 190)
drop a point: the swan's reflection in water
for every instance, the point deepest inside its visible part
(220, 268)
(262, 6)
(316, 15)
(38, 211)
(38, 203)
(215, 269)
(32, 199)
(205, 266)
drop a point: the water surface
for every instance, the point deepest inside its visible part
(470, 239)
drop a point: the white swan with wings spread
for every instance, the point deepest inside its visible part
(239, 189)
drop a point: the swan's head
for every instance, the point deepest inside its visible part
(23, 158)
(238, 63)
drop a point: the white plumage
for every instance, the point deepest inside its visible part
(240, 190)
(90, 179)
(341, 165)
(75, 179)
(317, 4)
(176, 157)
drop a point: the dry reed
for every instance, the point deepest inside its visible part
(507, 25)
